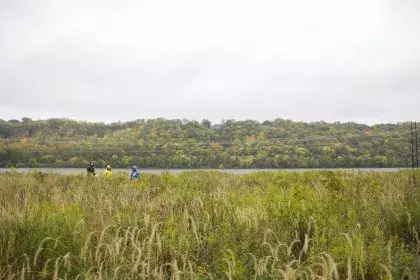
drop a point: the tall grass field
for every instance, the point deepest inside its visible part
(211, 225)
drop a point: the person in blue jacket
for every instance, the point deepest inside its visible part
(134, 173)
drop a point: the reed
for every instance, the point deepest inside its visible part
(211, 225)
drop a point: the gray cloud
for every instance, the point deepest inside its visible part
(305, 60)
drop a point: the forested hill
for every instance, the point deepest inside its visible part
(162, 143)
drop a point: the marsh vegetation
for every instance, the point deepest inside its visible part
(210, 225)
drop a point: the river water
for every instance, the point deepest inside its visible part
(177, 171)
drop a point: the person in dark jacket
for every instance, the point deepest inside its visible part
(91, 169)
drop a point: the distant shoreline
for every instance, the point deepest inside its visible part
(179, 170)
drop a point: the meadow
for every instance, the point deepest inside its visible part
(211, 225)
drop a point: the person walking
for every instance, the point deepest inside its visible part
(108, 171)
(134, 173)
(91, 169)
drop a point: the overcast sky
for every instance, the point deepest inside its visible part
(103, 60)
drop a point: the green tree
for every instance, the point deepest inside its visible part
(127, 160)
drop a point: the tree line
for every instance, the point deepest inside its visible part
(163, 143)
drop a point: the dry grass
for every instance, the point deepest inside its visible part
(209, 225)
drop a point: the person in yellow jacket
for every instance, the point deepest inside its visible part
(108, 171)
